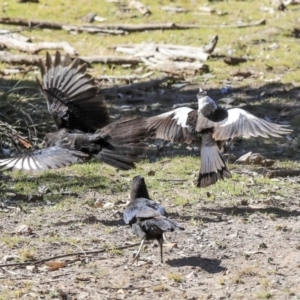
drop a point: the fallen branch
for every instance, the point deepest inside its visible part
(37, 262)
(238, 25)
(166, 51)
(93, 29)
(31, 23)
(7, 57)
(15, 35)
(175, 67)
(117, 60)
(34, 59)
(11, 43)
(125, 78)
(282, 173)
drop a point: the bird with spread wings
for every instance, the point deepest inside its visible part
(211, 126)
(82, 120)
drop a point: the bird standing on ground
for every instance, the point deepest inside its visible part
(82, 119)
(146, 217)
(211, 126)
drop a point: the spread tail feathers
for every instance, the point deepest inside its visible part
(122, 156)
(213, 167)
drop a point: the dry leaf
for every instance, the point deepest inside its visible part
(24, 142)
(55, 265)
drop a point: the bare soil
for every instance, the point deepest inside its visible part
(245, 246)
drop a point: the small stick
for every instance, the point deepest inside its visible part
(65, 255)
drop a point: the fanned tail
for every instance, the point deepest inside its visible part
(213, 166)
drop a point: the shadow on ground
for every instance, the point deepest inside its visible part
(207, 264)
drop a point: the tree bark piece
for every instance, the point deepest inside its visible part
(282, 173)
(12, 43)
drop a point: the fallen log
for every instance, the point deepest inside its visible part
(31, 23)
(23, 59)
(11, 43)
(117, 60)
(14, 35)
(282, 173)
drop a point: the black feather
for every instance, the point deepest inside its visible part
(146, 217)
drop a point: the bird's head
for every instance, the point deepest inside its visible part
(138, 188)
(206, 105)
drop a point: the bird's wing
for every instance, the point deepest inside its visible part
(72, 94)
(173, 125)
(243, 124)
(48, 158)
(148, 213)
(127, 130)
(156, 206)
(138, 209)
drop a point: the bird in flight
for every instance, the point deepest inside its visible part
(82, 121)
(211, 126)
(146, 217)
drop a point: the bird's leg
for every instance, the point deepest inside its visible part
(161, 242)
(138, 252)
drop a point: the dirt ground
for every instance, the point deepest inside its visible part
(62, 235)
(242, 245)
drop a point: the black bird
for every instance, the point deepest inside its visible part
(82, 120)
(72, 95)
(211, 126)
(146, 217)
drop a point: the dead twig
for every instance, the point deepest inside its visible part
(37, 262)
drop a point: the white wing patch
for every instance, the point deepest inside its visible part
(235, 114)
(181, 115)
